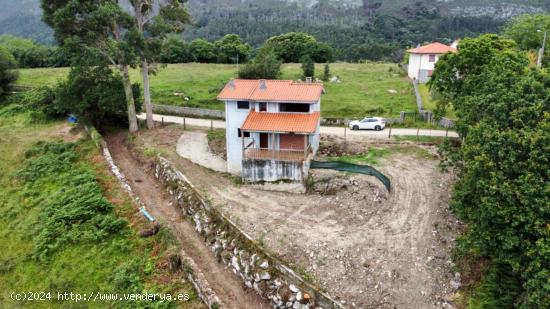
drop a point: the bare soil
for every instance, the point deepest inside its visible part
(365, 246)
(227, 286)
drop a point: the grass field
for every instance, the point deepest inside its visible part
(83, 256)
(364, 89)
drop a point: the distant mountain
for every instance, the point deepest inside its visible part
(342, 23)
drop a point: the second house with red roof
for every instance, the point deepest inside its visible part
(422, 60)
(272, 128)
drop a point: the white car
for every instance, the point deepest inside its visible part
(369, 123)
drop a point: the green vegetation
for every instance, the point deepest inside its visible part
(430, 103)
(30, 54)
(362, 90)
(8, 75)
(308, 67)
(433, 140)
(264, 66)
(528, 31)
(503, 186)
(65, 221)
(370, 157)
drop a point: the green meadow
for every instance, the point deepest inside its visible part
(379, 89)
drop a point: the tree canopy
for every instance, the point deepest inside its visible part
(292, 46)
(503, 188)
(230, 48)
(265, 65)
(528, 31)
(97, 33)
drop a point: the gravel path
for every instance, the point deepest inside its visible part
(339, 131)
(194, 147)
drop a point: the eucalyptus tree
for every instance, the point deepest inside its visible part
(155, 20)
(97, 33)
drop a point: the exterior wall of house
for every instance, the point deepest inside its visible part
(275, 170)
(270, 170)
(235, 119)
(420, 66)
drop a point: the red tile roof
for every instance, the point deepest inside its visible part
(433, 48)
(274, 90)
(281, 122)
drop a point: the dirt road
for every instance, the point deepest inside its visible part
(227, 286)
(338, 131)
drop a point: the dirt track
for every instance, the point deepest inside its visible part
(227, 286)
(366, 247)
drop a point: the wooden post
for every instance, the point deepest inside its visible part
(389, 135)
(417, 133)
(162, 121)
(211, 125)
(447, 132)
(345, 133)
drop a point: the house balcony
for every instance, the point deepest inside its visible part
(283, 155)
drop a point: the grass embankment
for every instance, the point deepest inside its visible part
(377, 89)
(68, 226)
(429, 103)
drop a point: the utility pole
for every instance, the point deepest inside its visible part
(541, 51)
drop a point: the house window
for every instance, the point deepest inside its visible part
(294, 108)
(263, 107)
(432, 58)
(243, 105)
(243, 134)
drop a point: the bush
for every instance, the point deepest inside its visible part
(308, 67)
(7, 74)
(75, 210)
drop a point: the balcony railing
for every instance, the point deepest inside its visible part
(292, 155)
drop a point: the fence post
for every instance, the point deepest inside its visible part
(162, 121)
(211, 125)
(345, 133)
(447, 132)
(184, 127)
(389, 135)
(417, 133)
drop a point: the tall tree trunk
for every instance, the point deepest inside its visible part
(147, 94)
(129, 99)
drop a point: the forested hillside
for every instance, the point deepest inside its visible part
(379, 29)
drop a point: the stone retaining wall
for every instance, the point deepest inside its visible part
(188, 111)
(194, 274)
(258, 270)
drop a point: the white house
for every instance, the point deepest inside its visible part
(422, 60)
(272, 128)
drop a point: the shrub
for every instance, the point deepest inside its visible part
(75, 209)
(264, 66)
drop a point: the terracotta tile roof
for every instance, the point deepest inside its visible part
(281, 122)
(273, 90)
(433, 48)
